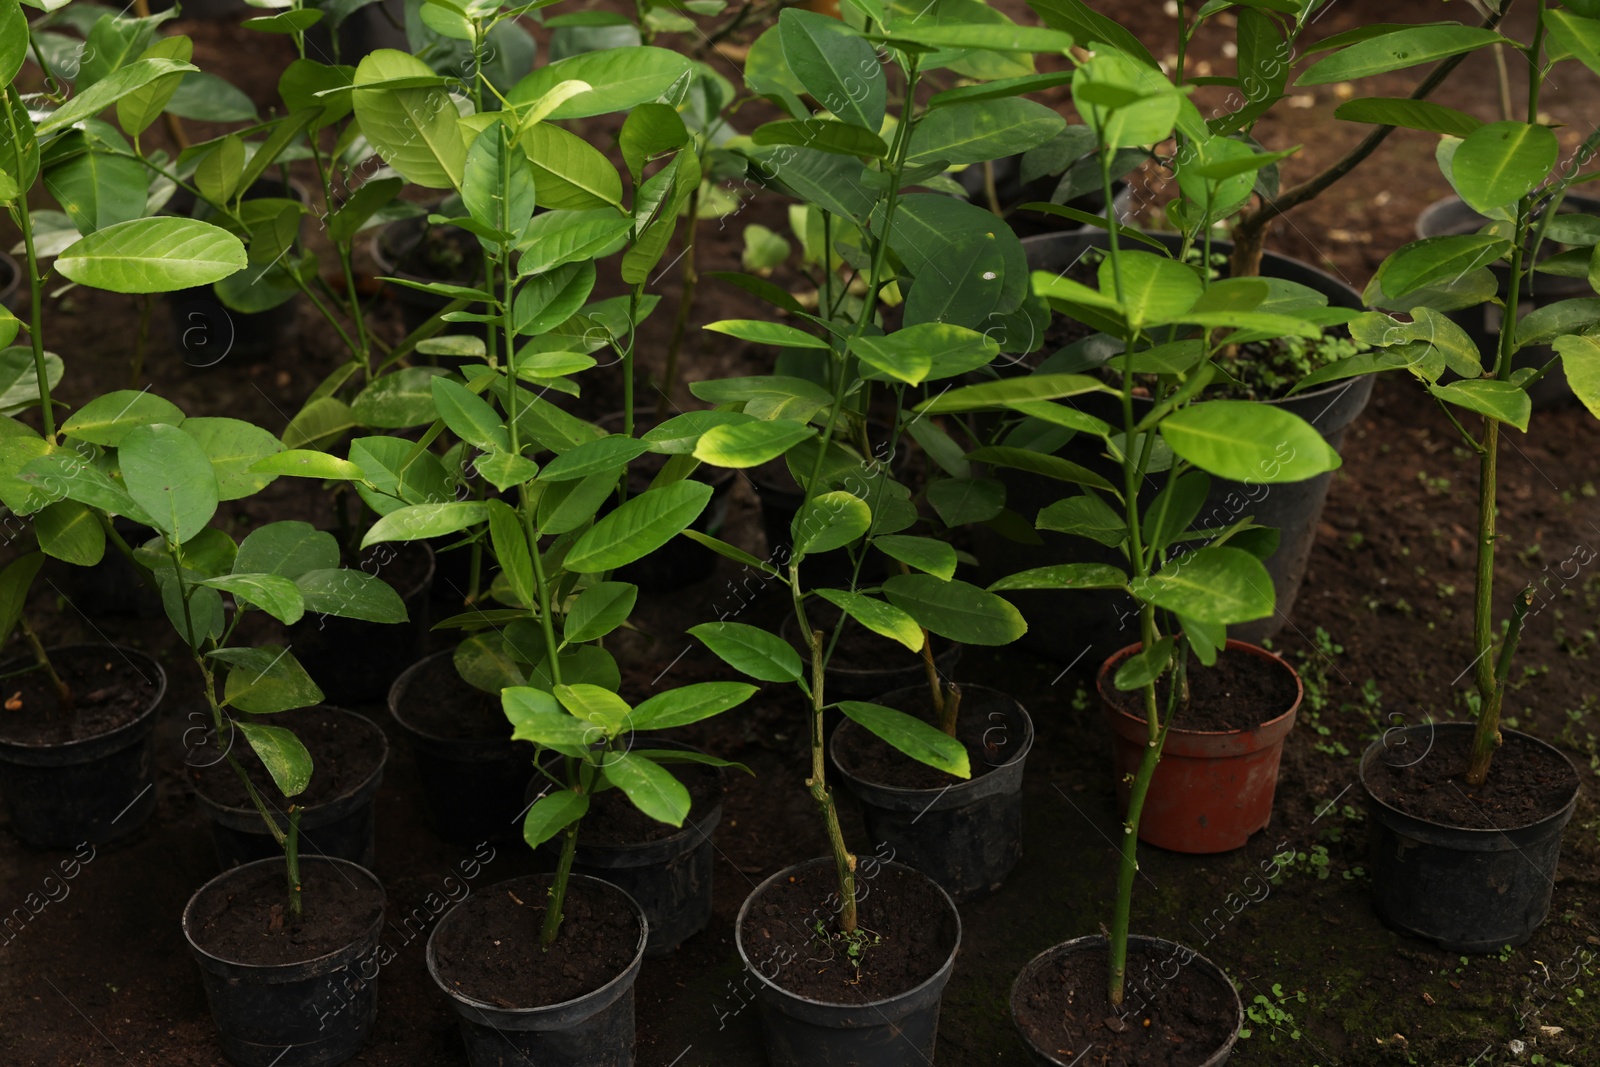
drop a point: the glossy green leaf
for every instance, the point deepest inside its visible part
(620, 78)
(750, 444)
(469, 416)
(153, 255)
(108, 418)
(1397, 50)
(982, 130)
(962, 501)
(837, 67)
(108, 90)
(169, 475)
(289, 549)
(825, 135)
(278, 597)
(955, 609)
(1502, 162)
(422, 521)
(417, 131)
(598, 610)
(829, 521)
(553, 813)
(265, 680)
(1408, 113)
(234, 448)
(1216, 584)
(1145, 666)
(1063, 576)
(877, 616)
(651, 787)
(910, 735)
(281, 753)
(924, 553)
(690, 703)
(1248, 442)
(568, 172)
(350, 594)
(1490, 398)
(15, 581)
(767, 333)
(751, 650)
(638, 527)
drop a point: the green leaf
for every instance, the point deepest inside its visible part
(620, 78)
(108, 90)
(908, 734)
(281, 753)
(417, 131)
(303, 79)
(1088, 27)
(767, 333)
(469, 416)
(350, 594)
(650, 130)
(153, 255)
(319, 423)
(265, 680)
(551, 814)
(1578, 34)
(948, 350)
(923, 553)
(15, 581)
(638, 527)
(399, 400)
(107, 419)
(97, 189)
(837, 67)
(1130, 104)
(422, 521)
(483, 663)
(303, 463)
(546, 301)
(1490, 398)
(608, 454)
(70, 531)
(979, 131)
(286, 22)
(598, 610)
(1007, 391)
(169, 475)
(1155, 289)
(278, 597)
(955, 609)
(825, 135)
(829, 521)
(1397, 50)
(234, 448)
(1245, 441)
(568, 172)
(354, 214)
(1408, 113)
(1085, 515)
(963, 501)
(1064, 576)
(288, 549)
(556, 238)
(1438, 259)
(1580, 359)
(511, 550)
(750, 444)
(1548, 321)
(1221, 585)
(751, 650)
(1145, 666)
(691, 703)
(208, 98)
(1500, 163)
(893, 360)
(595, 705)
(1027, 459)
(651, 787)
(875, 615)
(65, 474)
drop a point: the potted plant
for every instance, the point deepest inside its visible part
(1270, 43)
(945, 269)
(1471, 866)
(75, 761)
(1174, 324)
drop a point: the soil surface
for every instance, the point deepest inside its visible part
(490, 950)
(109, 690)
(245, 920)
(870, 757)
(1526, 783)
(345, 748)
(1240, 693)
(904, 934)
(439, 702)
(1175, 1013)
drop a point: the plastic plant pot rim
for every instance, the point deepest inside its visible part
(939, 977)
(960, 787)
(603, 996)
(371, 781)
(1271, 730)
(225, 965)
(1092, 942)
(1395, 815)
(128, 727)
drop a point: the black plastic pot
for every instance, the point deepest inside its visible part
(1450, 217)
(343, 827)
(393, 246)
(205, 331)
(965, 836)
(863, 683)
(1138, 986)
(356, 662)
(1089, 625)
(1466, 890)
(898, 1031)
(669, 878)
(594, 1030)
(95, 790)
(305, 1014)
(472, 788)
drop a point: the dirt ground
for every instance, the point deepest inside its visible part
(1380, 633)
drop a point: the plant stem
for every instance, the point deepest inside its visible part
(680, 320)
(291, 854)
(63, 691)
(844, 860)
(24, 223)
(558, 887)
(1250, 229)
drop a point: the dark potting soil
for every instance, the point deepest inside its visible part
(1526, 782)
(910, 929)
(245, 919)
(438, 701)
(490, 948)
(868, 756)
(1240, 693)
(613, 819)
(1165, 1022)
(108, 691)
(345, 751)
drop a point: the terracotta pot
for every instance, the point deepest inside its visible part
(1212, 789)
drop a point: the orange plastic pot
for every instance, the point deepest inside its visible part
(1212, 789)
